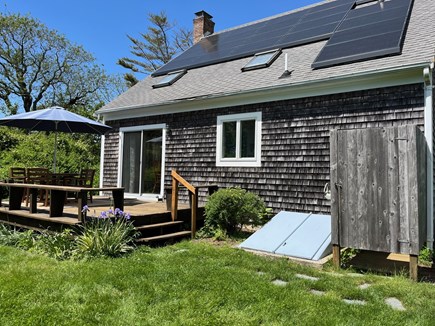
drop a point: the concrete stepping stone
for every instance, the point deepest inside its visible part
(364, 286)
(395, 304)
(355, 302)
(306, 277)
(355, 275)
(317, 292)
(278, 282)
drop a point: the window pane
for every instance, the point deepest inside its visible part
(131, 162)
(151, 161)
(260, 59)
(247, 138)
(229, 139)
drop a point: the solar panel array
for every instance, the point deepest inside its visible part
(369, 31)
(335, 21)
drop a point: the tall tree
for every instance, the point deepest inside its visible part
(156, 47)
(39, 67)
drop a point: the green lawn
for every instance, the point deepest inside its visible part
(194, 283)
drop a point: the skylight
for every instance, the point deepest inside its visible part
(170, 78)
(262, 60)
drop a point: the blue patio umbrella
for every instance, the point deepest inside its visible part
(55, 119)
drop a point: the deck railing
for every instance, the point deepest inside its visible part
(176, 180)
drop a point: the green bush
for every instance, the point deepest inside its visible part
(426, 256)
(10, 236)
(228, 210)
(56, 245)
(111, 234)
(60, 245)
(32, 149)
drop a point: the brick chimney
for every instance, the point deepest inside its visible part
(202, 26)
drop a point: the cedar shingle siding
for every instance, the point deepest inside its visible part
(295, 142)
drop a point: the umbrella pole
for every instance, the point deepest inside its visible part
(55, 148)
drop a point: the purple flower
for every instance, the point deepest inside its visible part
(85, 209)
(110, 211)
(103, 214)
(127, 216)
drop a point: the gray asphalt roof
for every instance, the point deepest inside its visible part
(227, 78)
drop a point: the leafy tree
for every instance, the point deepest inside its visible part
(32, 149)
(155, 47)
(39, 68)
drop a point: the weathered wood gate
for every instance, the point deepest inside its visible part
(378, 189)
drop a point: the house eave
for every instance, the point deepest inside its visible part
(403, 75)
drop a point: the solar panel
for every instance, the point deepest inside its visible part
(368, 31)
(305, 26)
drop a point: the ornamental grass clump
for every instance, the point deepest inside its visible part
(111, 234)
(228, 210)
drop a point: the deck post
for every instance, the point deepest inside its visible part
(118, 198)
(194, 211)
(57, 202)
(413, 267)
(82, 199)
(174, 208)
(15, 197)
(336, 256)
(33, 193)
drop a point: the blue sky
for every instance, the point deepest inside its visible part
(101, 26)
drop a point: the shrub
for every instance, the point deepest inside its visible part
(10, 236)
(60, 245)
(228, 210)
(111, 234)
(426, 256)
(56, 245)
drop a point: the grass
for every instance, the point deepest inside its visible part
(197, 283)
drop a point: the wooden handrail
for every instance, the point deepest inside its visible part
(181, 180)
(176, 179)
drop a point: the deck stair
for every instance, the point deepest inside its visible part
(164, 231)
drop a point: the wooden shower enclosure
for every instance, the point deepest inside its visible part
(378, 190)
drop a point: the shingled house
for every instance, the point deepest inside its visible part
(253, 106)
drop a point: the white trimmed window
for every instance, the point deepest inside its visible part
(238, 140)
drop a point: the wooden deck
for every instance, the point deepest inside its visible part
(142, 213)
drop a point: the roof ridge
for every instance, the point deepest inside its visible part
(271, 17)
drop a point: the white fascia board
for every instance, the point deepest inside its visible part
(352, 82)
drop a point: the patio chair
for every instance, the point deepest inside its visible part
(18, 175)
(38, 176)
(86, 179)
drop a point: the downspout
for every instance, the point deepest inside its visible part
(428, 133)
(102, 158)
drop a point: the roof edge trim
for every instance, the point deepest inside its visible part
(346, 83)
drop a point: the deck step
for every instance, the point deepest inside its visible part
(165, 236)
(157, 225)
(43, 217)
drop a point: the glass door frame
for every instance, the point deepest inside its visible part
(141, 129)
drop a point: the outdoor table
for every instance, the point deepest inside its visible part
(57, 197)
(63, 179)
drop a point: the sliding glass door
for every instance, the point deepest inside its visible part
(142, 157)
